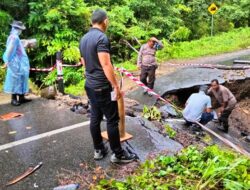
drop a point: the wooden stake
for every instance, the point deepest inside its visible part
(121, 109)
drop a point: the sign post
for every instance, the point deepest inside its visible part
(212, 9)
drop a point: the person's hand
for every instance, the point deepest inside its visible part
(221, 109)
(118, 93)
(4, 66)
(154, 39)
(138, 67)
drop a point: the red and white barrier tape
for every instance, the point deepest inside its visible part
(139, 83)
(43, 70)
(213, 66)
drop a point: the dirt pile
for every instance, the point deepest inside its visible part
(240, 117)
(239, 120)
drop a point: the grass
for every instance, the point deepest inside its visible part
(77, 90)
(225, 42)
(191, 169)
(128, 65)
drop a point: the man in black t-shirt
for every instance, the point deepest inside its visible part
(100, 82)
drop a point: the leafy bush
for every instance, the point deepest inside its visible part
(77, 90)
(127, 65)
(2, 78)
(151, 113)
(181, 34)
(170, 131)
(71, 76)
(225, 42)
(5, 20)
(212, 168)
(58, 25)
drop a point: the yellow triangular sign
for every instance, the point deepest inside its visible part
(213, 8)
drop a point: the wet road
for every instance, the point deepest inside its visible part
(64, 149)
(61, 140)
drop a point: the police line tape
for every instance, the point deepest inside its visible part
(43, 70)
(212, 66)
(121, 70)
(149, 90)
(52, 68)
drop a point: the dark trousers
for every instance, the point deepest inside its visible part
(206, 117)
(224, 118)
(147, 76)
(101, 104)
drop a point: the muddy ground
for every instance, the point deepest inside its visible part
(239, 119)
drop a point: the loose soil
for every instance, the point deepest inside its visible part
(240, 118)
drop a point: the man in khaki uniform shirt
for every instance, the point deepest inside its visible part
(226, 100)
(147, 62)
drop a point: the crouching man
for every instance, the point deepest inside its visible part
(198, 108)
(226, 101)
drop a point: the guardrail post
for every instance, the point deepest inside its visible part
(59, 68)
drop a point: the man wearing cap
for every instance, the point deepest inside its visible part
(147, 62)
(17, 63)
(100, 84)
(198, 108)
(226, 101)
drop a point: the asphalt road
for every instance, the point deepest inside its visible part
(44, 134)
(61, 140)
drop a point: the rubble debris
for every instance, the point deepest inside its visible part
(10, 115)
(67, 187)
(49, 92)
(69, 101)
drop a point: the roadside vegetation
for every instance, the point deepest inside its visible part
(191, 169)
(184, 26)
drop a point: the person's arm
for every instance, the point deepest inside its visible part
(160, 44)
(108, 69)
(139, 59)
(209, 91)
(225, 97)
(10, 50)
(82, 62)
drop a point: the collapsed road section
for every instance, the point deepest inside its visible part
(179, 85)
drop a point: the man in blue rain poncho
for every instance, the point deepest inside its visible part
(17, 64)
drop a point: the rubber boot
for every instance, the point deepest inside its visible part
(23, 100)
(14, 100)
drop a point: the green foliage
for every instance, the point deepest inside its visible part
(225, 42)
(151, 113)
(127, 65)
(191, 169)
(77, 90)
(2, 78)
(58, 25)
(50, 79)
(170, 131)
(71, 76)
(181, 34)
(5, 20)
